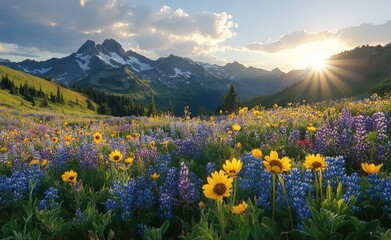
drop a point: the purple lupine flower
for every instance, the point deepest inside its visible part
(210, 168)
(361, 146)
(294, 137)
(167, 194)
(346, 119)
(325, 139)
(88, 156)
(343, 143)
(188, 194)
(375, 188)
(381, 125)
(352, 187)
(163, 162)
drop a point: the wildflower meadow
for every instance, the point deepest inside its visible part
(302, 171)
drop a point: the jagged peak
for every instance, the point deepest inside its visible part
(235, 63)
(111, 42)
(276, 70)
(87, 46)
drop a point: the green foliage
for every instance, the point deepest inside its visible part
(152, 233)
(152, 107)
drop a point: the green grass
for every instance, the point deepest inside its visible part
(18, 102)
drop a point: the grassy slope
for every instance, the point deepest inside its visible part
(18, 102)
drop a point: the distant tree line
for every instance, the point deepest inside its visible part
(30, 92)
(111, 104)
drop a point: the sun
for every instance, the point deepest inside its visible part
(318, 63)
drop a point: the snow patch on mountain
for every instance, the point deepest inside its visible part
(106, 58)
(142, 66)
(83, 61)
(179, 72)
(117, 58)
(43, 70)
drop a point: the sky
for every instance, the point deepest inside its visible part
(288, 34)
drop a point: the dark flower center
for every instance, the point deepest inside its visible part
(71, 178)
(116, 158)
(219, 188)
(316, 164)
(97, 137)
(275, 163)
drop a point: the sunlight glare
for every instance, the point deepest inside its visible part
(318, 63)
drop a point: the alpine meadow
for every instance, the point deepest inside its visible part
(127, 119)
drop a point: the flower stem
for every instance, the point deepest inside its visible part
(286, 200)
(316, 188)
(234, 192)
(221, 216)
(273, 195)
(320, 185)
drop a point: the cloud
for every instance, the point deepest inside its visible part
(289, 41)
(83, 3)
(366, 34)
(1, 48)
(48, 25)
(352, 36)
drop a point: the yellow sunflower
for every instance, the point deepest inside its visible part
(315, 162)
(311, 129)
(275, 165)
(239, 209)
(3, 149)
(232, 168)
(371, 168)
(256, 152)
(218, 186)
(115, 156)
(129, 160)
(69, 176)
(97, 137)
(54, 139)
(236, 127)
(45, 163)
(121, 168)
(155, 176)
(34, 161)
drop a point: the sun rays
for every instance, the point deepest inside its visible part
(328, 78)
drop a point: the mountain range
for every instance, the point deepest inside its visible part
(182, 81)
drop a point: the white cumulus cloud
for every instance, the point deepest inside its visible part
(61, 26)
(351, 36)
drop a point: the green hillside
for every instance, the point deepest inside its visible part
(74, 102)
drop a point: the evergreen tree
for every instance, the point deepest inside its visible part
(152, 107)
(104, 109)
(45, 102)
(170, 108)
(230, 101)
(58, 96)
(90, 105)
(202, 111)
